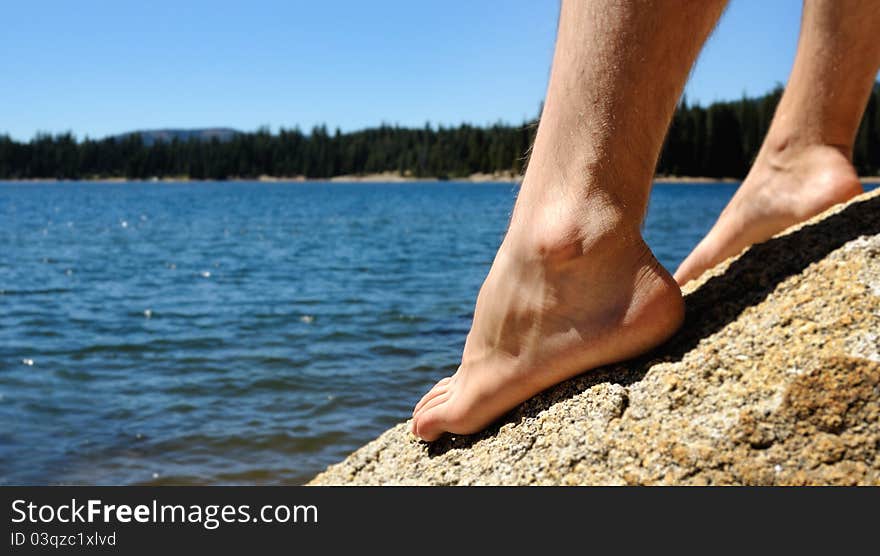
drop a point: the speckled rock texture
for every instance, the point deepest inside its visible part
(774, 379)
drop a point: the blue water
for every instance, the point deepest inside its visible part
(242, 332)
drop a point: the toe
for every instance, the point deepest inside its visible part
(431, 421)
(436, 400)
(438, 389)
(693, 266)
(686, 271)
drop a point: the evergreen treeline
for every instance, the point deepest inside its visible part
(720, 140)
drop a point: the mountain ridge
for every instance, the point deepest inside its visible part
(167, 135)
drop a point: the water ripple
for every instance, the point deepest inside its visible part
(210, 333)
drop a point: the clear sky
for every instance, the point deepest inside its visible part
(103, 67)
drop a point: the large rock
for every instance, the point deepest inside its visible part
(773, 379)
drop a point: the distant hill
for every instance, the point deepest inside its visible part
(720, 140)
(151, 136)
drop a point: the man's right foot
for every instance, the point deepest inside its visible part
(786, 186)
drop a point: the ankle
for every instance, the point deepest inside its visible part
(786, 147)
(557, 237)
(798, 176)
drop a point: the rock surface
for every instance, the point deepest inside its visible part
(774, 379)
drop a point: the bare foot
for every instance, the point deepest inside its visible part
(784, 187)
(553, 307)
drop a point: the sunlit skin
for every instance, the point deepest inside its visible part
(573, 285)
(804, 165)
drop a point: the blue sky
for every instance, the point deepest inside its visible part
(102, 67)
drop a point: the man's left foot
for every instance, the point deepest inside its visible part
(559, 300)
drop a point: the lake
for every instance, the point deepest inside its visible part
(242, 333)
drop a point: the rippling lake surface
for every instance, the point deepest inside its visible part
(242, 332)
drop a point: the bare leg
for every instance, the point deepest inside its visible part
(573, 285)
(804, 165)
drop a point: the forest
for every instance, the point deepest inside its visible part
(719, 140)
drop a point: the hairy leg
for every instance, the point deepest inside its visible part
(573, 285)
(804, 165)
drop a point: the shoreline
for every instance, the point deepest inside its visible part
(385, 177)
